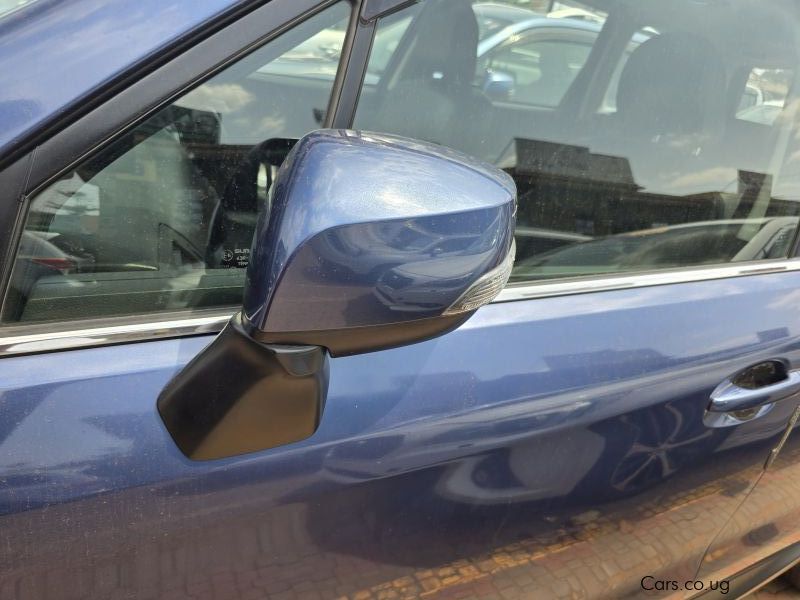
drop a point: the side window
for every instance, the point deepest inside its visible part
(162, 219)
(650, 143)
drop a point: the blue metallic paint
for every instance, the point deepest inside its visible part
(497, 438)
(371, 229)
(417, 460)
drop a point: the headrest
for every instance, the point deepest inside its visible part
(445, 45)
(674, 83)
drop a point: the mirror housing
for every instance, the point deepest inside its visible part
(376, 241)
(372, 241)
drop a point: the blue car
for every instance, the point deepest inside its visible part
(379, 299)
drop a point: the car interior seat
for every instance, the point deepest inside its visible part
(671, 110)
(430, 93)
(654, 162)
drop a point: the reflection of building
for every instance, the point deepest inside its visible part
(568, 161)
(758, 188)
(752, 187)
(621, 363)
(569, 188)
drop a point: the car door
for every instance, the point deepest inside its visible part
(555, 445)
(579, 216)
(763, 527)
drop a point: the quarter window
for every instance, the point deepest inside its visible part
(657, 136)
(162, 219)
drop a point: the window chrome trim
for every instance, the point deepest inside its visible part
(89, 337)
(602, 283)
(210, 323)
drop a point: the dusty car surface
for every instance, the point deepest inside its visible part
(312, 299)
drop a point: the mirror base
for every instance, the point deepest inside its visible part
(239, 396)
(357, 340)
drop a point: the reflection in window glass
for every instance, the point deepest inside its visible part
(764, 96)
(572, 9)
(494, 17)
(541, 70)
(664, 140)
(9, 6)
(384, 46)
(163, 218)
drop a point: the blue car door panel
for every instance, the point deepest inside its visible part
(548, 442)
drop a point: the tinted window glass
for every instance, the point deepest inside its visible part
(660, 135)
(384, 45)
(494, 16)
(764, 96)
(163, 218)
(539, 71)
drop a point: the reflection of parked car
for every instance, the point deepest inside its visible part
(42, 254)
(493, 17)
(43, 249)
(497, 24)
(541, 57)
(418, 287)
(317, 57)
(666, 247)
(576, 13)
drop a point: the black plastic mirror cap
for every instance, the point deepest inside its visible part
(360, 340)
(239, 396)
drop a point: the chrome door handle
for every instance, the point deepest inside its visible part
(729, 397)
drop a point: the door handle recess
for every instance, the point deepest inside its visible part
(730, 397)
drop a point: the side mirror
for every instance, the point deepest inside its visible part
(372, 242)
(498, 85)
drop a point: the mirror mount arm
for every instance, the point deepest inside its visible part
(239, 396)
(358, 340)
